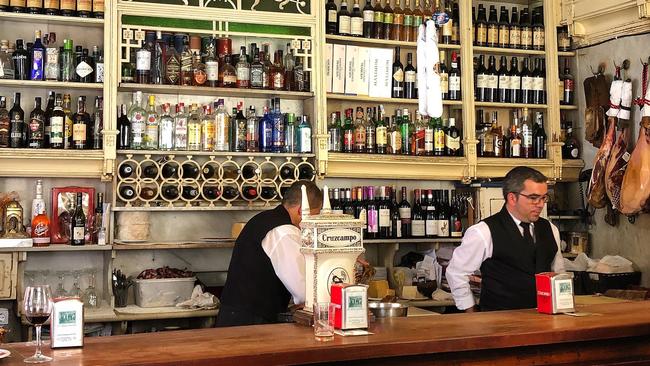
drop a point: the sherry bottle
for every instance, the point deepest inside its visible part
(79, 222)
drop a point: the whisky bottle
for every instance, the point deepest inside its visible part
(277, 72)
(36, 127)
(199, 73)
(243, 70)
(257, 72)
(228, 74)
(78, 223)
(186, 64)
(172, 65)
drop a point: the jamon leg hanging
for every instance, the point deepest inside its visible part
(596, 193)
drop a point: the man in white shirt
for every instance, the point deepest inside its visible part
(267, 268)
(509, 248)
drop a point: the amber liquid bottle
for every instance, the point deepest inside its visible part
(398, 22)
(378, 26)
(418, 18)
(389, 16)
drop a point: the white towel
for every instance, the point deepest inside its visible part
(626, 101)
(432, 56)
(615, 91)
(421, 61)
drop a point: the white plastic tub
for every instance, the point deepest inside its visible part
(163, 292)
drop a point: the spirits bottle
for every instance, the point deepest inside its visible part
(208, 130)
(257, 73)
(166, 135)
(300, 81)
(455, 27)
(303, 136)
(38, 58)
(496, 137)
(515, 137)
(16, 124)
(389, 18)
(290, 133)
(238, 130)
(21, 65)
(398, 22)
(98, 58)
(418, 19)
(81, 123)
(137, 119)
(194, 129)
(371, 132)
(378, 21)
(36, 127)
(6, 62)
(444, 76)
(334, 133)
(539, 137)
(199, 73)
(78, 222)
(4, 123)
(186, 61)
(452, 139)
(331, 25)
(222, 126)
(289, 67)
(172, 65)
(348, 132)
(180, 127)
(381, 131)
(407, 29)
(252, 131)
(85, 69)
(267, 78)
(343, 20)
(150, 139)
(243, 70)
(526, 136)
(359, 132)
(278, 127)
(98, 124)
(69, 121)
(429, 137)
(266, 130)
(57, 124)
(406, 130)
(40, 221)
(438, 137)
(46, 119)
(447, 28)
(143, 60)
(229, 74)
(277, 72)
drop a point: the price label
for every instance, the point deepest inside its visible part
(306, 45)
(127, 34)
(139, 35)
(295, 44)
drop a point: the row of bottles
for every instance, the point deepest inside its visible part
(376, 133)
(517, 29)
(211, 128)
(433, 214)
(56, 127)
(397, 24)
(195, 193)
(404, 79)
(66, 8)
(522, 139)
(511, 85)
(571, 147)
(179, 59)
(44, 59)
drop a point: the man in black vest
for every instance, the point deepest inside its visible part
(267, 268)
(509, 248)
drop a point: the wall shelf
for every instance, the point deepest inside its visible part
(569, 107)
(216, 92)
(396, 166)
(509, 105)
(41, 163)
(376, 100)
(571, 169)
(194, 208)
(60, 248)
(564, 217)
(52, 19)
(413, 241)
(498, 167)
(203, 244)
(566, 53)
(36, 84)
(371, 42)
(507, 51)
(213, 153)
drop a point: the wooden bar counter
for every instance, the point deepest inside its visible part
(615, 334)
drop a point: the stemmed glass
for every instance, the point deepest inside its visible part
(75, 291)
(37, 305)
(90, 297)
(60, 290)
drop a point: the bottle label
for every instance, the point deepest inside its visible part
(504, 41)
(443, 228)
(454, 83)
(98, 6)
(381, 133)
(538, 83)
(194, 135)
(180, 129)
(360, 138)
(447, 28)
(56, 130)
(564, 42)
(331, 16)
(229, 78)
(515, 148)
(526, 37)
(384, 217)
(398, 76)
(363, 217)
(398, 20)
(83, 69)
(481, 34)
(368, 16)
(492, 82)
(575, 152)
(356, 26)
(34, 4)
(444, 83)
(452, 143)
(17, 3)
(528, 139)
(212, 70)
(278, 80)
(83, 5)
(78, 233)
(99, 73)
(395, 142)
(417, 21)
(243, 73)
(527, 83)
(37, 65)
(305, 140)
(457, 228)
(344, 24)
(35, 129)
(515, 82)
(504, 82)
(538, 38)
(378, 17)
(439, 140)
(172, 70)
(348, 140)
(388, 18)
(79, 132)
(431, 227)
(417, 228)
(515, 37)
(492, 35)
(410, 76)
(143, 60)
(429, 137)
(481, 81)
(405, 214)
(408, 20)
(569, 85)
(488, 142)
(68, 5)
(373, 226)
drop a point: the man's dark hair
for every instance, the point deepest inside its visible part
(514, 181)
(293, 195)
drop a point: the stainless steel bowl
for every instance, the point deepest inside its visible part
(388, 309)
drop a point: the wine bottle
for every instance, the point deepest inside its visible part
(125, 170)
(539, 137)
(480, 38)
(384, 213)
(410, 77)
(443, 214)
(78, 222)
(189, 192)
(481, 80)
(249, 192)
(210, 193)
(504, 29)
(127, 192)
(190, 171)
(568, 85)
(398, 76)
(452, 139)
(444, 76)
(372, 213)
(368, 20)
(169, 170)
(539, 82)
(504, 91)
(492, 28)
(331, 24)
(538, 30)
(150, 171)
(343, 20)
(356, 21)
(492, 81)
(148, 193)
(526, 30)
(454, 78)
(431, 216)
(515, 29)
(389, 18)
(306, 172)
(417, 216)
(170, 192)
(404, 210)
(527, 92)
(515, 81)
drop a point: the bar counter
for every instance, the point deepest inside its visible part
(614, 334)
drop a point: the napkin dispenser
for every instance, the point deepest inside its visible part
(554, 292)
(351, 306)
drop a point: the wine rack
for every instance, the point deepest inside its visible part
(157, 180)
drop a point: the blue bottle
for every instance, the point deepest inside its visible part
(279, 128)
(266, 130)
(38, 58)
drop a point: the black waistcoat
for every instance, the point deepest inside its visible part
(508, 277)
(252, 284)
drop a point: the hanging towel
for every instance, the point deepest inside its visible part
(432, 57)
(626, 101)
(615, 91)
(422, 78)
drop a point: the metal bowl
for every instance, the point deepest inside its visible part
(388, 309)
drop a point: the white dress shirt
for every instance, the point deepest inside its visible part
(475, 248)
(282, 246)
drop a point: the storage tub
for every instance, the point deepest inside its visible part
(163, 292)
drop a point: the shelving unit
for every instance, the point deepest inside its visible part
(207, 91)
(213, 153)
(154, 208)
(507, 51)
(377, 100)
(226, 243)
(60, 248)
(509, 105)
(382, 42)
(52, 19)
(569, 107)
(49, 84)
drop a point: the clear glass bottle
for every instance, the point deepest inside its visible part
(194, 129)
(137, 118)
(67, 61)
(208, 130)
(243, 69)
(98, 124)
(180, 127)
(266, 130)
(290, 133)
(303, 136)
(151, 126)
(6, 62)
(166, 134)
(289, 66)
(252, 131)
(222, 124)
(334, 133)
(143, 60)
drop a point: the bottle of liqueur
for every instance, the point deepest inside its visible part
(252, 131)
(36, 126)
(343, 19)
(78, 236)
(418, 19)
(515, 137)
(538, 30)
(410, 77)
(16, 124)
(526, 136)
(371, 132)
(389, 18)
(152, 122)
(334, 133)
(398, 76)
(359, 132)
(492, 28)
(166, 134)
(394, 140)
(356, 21)
(81, 123)
(348, 132)
(481, 27)
(568, 85)
(57, 123)
(303, 136)
(497, 136)
(406, 132)
(381, 131)
(504, 29)
(515, 81)
(194, 129)
(378, 21)
(368, 20)
(539, 137)
(331, 25)
(398, 22)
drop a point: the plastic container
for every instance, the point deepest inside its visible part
(608, 281)
(163, 292)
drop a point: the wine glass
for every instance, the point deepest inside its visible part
(75, 291)
(37, 305)
(90, 297)
(60, 290)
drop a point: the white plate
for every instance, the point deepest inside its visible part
(4, 353)
(130, 241)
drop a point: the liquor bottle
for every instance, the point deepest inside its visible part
(454, 78)
(222, 127)
(406, 129)
(81, 123)
(85, 69)
(398, 77)
(418, 19)
(98, 9)
(504, 93)
(157, 73)
(78, 222)
(57, 124)
(348, 132)
(515, 137)
(289, 63)
(278, 132)
(334, 133)
(143, 60)
(21, 64)
(38, 58)
(190, 171)
(409, 77)
(526, 30)
(481, 27)
(486, 138)
(526, 136)
(68, 65)
(371, 132)
(563, 39)
(571, 148)
(36, 127)
(4, 123)
(389, 19)
(381, 132)
(492, 84)
(568, 85)
(98, 58)
(68, 126)
(398, 22)
(186, 60)
(266, 76)
(194, 129)
(238, 129)
(199, 73)
(343, 20)
(378, 21)
(180, 127)
(40, 222)
(331, 24)
(303, 136)
(289, 133)
(166, 129)
(300, 77)
(137, 121)
(539, 137)
(481, 80)
(211, 193)
(356, 20)
(538, 30)
(452, 139)
(16, 124)
(492, 28)
(447, 28)
(257, 73)
(438, 137)
(444, 76)
(277, 72)
(429, 137)
(266, 130)
(252, 131)
(152, 122)
(504, 29)
(394, 136)
(170, 192)
(359, 132)
(228, 74)
(515, 82)
(6, 61)
(372, 215)
(539, 82)
(172, 66)
(496, 137)
(243, 69)
(515, 30)
(207, 130)
(527, 91)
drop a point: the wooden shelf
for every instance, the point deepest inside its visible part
(51, 163)
(566, 53)
(49, 84)
(371, 42)
(226, 243)
(499, 167)
(52, 19)
(217, 92)
(569, 107)
(571, 169)
(390, 166)
(222, 207)
(413, 241)
(213, 153)
(507, 51)
(61, 248)
(377, 100)
(509, 105)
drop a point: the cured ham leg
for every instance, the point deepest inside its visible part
(596, 193)
(615, 169)
(636, 182)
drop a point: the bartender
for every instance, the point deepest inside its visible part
(267, 269)
(509, 248)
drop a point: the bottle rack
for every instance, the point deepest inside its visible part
(174, 180)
